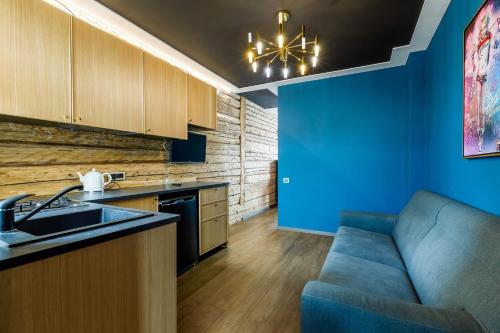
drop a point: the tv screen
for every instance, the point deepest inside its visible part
(192, 150)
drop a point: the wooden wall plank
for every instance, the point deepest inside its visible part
(43, 159)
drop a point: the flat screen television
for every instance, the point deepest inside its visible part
(192, 150)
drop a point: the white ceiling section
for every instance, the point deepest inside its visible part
(96, 14)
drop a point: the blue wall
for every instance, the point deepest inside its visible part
(368, 141)
(342, 143)
(475, 181)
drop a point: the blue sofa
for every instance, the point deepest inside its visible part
(435, 267)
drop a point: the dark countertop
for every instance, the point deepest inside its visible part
(15, 256)
(142, 191)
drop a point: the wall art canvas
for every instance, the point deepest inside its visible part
(481, 117)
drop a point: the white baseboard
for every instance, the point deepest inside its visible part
(307, 231)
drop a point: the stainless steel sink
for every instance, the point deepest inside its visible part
(67, 222)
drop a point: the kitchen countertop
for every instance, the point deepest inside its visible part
(15, 256)
(141, 191)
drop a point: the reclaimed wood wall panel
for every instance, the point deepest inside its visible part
(41, 159)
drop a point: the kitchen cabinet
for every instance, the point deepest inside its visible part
(165, 100)
(126, 285)
(107, 80)
(214, 212)
(143, 203)
(35, 61)
(201, 103)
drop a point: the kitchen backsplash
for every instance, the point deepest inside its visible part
(41, 159)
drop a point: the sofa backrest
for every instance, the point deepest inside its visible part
(415, 221)
(457, 262)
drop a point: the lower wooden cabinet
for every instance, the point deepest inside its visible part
(213, 233)
(213, 218)
(143, 203)
(126, 285)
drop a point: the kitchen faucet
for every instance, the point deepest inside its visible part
(8, 220)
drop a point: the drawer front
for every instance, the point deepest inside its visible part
(213, 210)
(210, 195)
(213, 233)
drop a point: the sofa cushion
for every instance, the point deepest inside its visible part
(368, 276)
(415, 221)
(457, 265)
(369, 245)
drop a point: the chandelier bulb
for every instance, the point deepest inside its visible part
(259, 47)
(249, 38)
(281, 41)
(314, 61)
(285, 72)
(303, 37)
(268, 71)
(254, 66)
(303, 68)
(250, 57)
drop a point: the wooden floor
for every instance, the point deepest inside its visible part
(255, 284)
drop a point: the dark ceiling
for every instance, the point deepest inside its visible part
(214, 33)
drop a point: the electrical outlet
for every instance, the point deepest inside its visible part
(286, 180)
(117, 176)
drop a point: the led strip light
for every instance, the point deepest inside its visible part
(106, 20)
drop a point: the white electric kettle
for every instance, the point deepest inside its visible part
(93, 181)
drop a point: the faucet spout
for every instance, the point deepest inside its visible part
(24, 218)
(8, 221)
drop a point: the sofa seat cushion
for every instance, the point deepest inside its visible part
(369, 245)
(368, 276)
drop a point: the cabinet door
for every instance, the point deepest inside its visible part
(35, 71)
(202, 103)
(165, 101)
(107, 80)
(213, 233)
(145, 203)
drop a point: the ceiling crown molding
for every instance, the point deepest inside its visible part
(430, 17)
(98, 15)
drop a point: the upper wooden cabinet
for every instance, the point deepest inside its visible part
(35, 62)
(202, 103)
(107, 80)
(165, 102)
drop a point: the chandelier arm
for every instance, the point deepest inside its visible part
(266, 54)
(299, 45)
(293, 55)
(268, 42)
(272, 60)
(294, 40)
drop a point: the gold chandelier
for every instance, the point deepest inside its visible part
(297, 49)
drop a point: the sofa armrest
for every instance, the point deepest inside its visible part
(376, 222)
(330, 308)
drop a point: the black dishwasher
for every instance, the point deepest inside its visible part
(187, 228)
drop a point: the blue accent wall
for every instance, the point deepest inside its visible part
(474, 181)
(342, 143)
(369, 141)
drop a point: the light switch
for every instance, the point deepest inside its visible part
(286, 180)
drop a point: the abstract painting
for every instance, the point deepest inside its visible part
(481, 115)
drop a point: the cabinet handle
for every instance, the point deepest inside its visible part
(148, 130)
(66, 116)
(79, 118)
